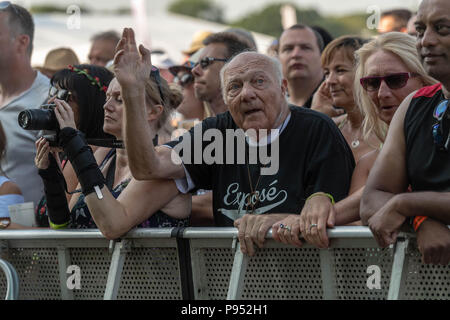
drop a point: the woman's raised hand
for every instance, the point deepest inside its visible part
(131, 66)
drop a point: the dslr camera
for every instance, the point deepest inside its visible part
(43, 118)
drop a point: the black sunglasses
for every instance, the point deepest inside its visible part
(61, 94)
(206, 61)
(393, 81)
(441, 128)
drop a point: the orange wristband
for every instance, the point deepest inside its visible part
(418, 221)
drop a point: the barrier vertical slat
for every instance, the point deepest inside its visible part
(399, 269)
(64, 261)
(328, 276)
(115, 269)
(240, 264)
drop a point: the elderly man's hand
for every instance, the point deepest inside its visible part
(385, 224)
(253, 229)
(132, 67)
(433, 242)
(317, 214)
(288, 230)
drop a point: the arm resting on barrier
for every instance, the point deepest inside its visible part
(137, 202)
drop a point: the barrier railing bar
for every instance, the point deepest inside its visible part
(115, 269)
(327, 274)
(64, 260)
(238, 271)
(12, 279)
(399, 269)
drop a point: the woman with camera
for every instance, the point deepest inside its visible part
(83, 88)
(112, 179)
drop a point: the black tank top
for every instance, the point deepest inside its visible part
(428, 168)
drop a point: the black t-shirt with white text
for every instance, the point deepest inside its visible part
(313, 157)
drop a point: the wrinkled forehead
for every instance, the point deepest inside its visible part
(248, 63)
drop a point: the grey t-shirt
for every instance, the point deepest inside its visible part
(18, 163)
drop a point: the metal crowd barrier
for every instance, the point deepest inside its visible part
(207, 264)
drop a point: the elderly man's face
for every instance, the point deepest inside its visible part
(254, 95)
(433, 38)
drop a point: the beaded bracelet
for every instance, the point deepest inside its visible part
(322, 194)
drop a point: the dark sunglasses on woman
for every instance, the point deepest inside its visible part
(393, 81)
(61, 94)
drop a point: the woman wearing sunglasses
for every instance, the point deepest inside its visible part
(83, 89)
(114, 171)
(388, 69)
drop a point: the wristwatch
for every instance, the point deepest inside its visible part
(4, 223)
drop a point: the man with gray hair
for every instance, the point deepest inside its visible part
(313, 160)
(21, 88)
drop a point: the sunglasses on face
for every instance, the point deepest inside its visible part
(393, 81)
(61, 94)
(440, 129)
(206, 61)
(184, 79)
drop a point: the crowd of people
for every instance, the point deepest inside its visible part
(358, 131)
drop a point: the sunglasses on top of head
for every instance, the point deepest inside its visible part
(206, 61)
(393, 81)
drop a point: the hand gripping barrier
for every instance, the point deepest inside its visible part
(206, 263)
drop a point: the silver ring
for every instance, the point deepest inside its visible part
(282, 226)
(312, 226)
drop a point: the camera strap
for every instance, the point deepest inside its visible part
(110, 143)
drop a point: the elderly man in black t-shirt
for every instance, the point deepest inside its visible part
(307, 158)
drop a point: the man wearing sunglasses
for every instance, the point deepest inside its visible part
(21, 88)
(417, 149)
(219, 48)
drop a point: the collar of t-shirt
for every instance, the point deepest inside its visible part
(274, 133)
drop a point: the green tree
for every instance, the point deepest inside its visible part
(268, 21)
(203, 9)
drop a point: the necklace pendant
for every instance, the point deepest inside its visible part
(355, 143)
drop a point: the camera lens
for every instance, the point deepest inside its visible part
(38, 119)
(24, 119)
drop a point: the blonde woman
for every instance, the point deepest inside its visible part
(388, 70)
